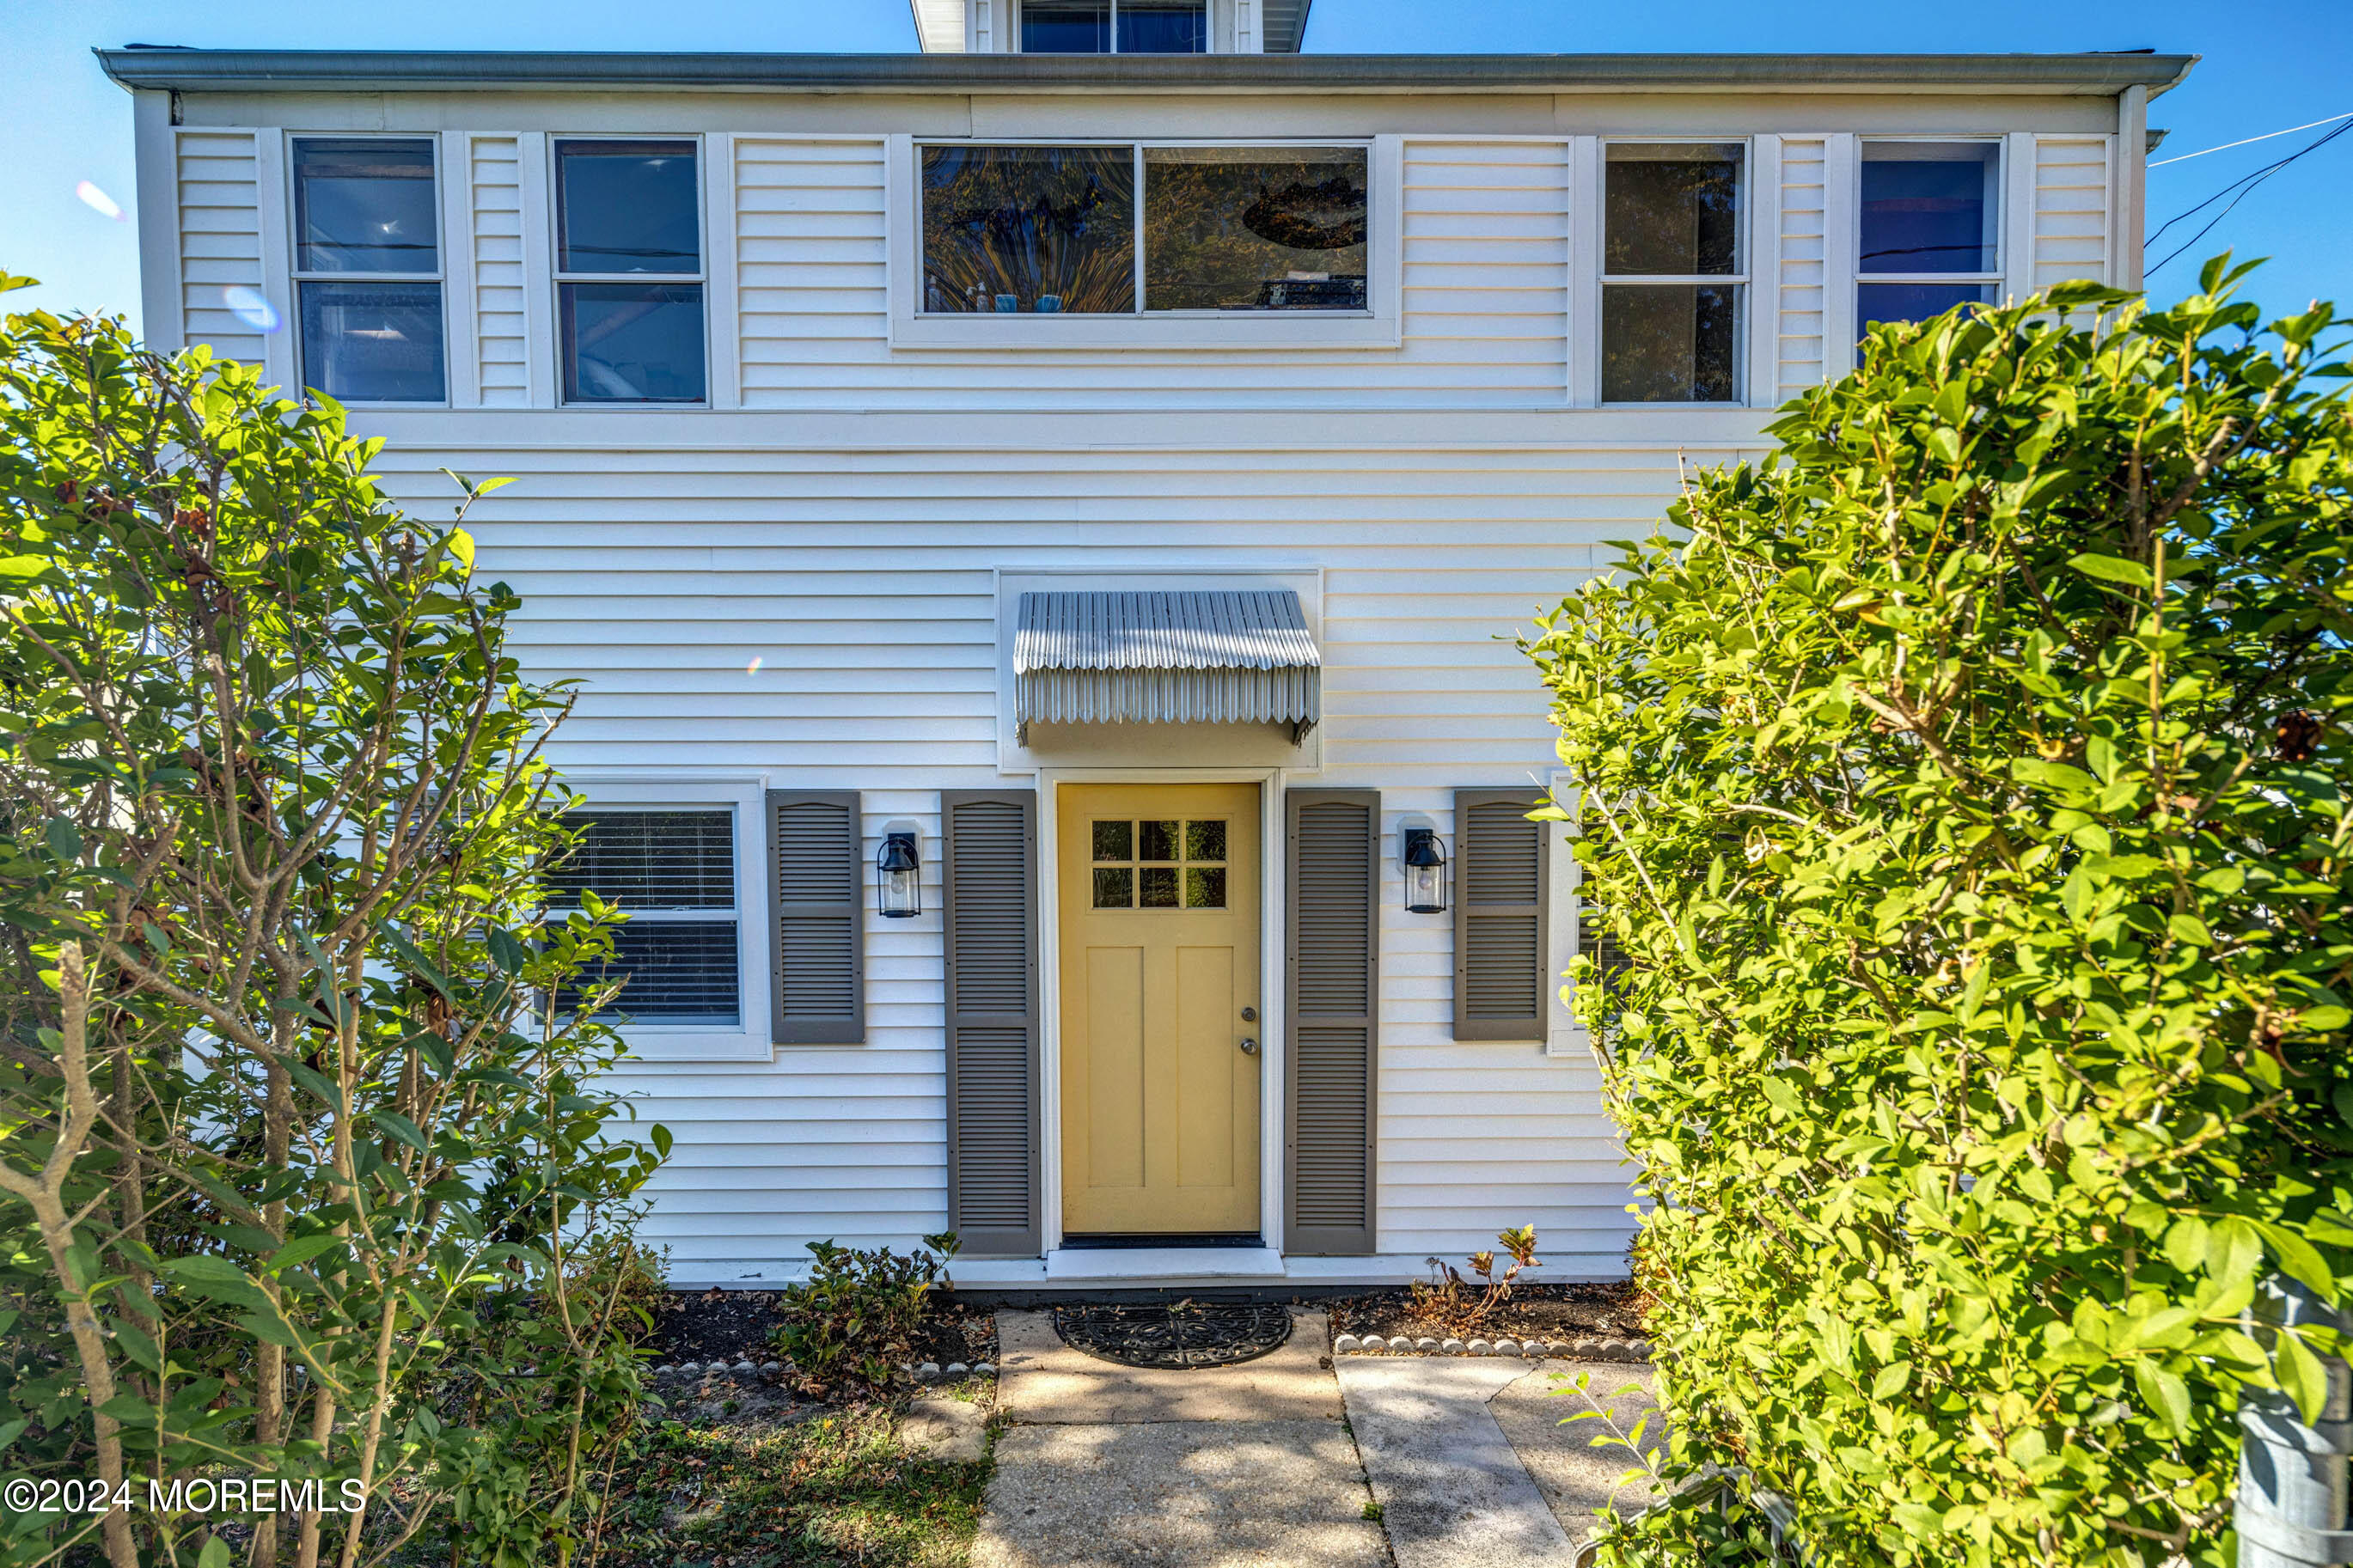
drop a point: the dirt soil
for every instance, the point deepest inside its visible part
(739, 1325)
(1546, 1311)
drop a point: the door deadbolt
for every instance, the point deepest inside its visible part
(1249, 1014)
(1250, 1046)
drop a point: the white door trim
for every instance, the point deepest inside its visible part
(1272, 891)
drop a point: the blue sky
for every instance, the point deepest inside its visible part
(2268, 64)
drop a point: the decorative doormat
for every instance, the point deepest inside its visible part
(1186, 1334)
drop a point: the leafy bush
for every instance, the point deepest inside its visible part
(1967, 789)
(291, 1158)
(852, 1322)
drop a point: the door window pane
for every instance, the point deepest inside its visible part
(1155, 841)
(632, 342)
(365, 206)
(373, 343)
(1158, 885)
(1205, 841)
(1114, 887)
(1042, 229)
(1669, 343)
(1065, 27)
(1254, 228)
(1164, 28)
(1928, 207)
(1115, 840)
(1205, 887)
(627, 206)
(1877, 302)
(1673, 209)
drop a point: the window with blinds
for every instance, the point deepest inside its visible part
(673, 872)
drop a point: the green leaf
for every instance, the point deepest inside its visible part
(1891, 1380)
(397, 1126)
(461, 546)
(2300, 1259)
(2165, 1393)
(295, 1253)
(2232, 1251)
(20, 567)
(2113, 569)
(505, 951)
(2189, 931)
(2301, 1375)
(64, 841)
(215, 1554)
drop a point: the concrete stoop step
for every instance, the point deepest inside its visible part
(1294, 1460)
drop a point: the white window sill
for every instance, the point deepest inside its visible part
(1239, 329)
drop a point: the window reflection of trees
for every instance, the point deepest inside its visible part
(1254, 228)
(1028, 229)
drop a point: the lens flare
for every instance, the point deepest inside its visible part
(98, 201)
(251, 306)
(753, 667)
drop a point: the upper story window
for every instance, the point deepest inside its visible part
(367, 269)
(673, 872)
(1673, 272)
(628, 267)
(1125, 229)
(1114, 26)
(1930, 229)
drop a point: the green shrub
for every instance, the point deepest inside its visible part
(291, 1155)
(852, 1322)
(1967, 788)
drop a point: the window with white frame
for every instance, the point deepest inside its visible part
(1114, 26)
(1674, 278)
(367, 269)
(1133, 229)
(629, 268)
(1930, 229)
(671, 870)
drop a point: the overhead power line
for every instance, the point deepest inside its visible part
(2324, 120)
(2237, 191)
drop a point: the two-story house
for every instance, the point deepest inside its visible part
(1041, 522)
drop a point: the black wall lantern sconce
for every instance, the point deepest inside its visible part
(898, 880)
(1424, 860)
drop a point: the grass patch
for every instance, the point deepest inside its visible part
(834, 1490)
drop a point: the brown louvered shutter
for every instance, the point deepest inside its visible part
(1502, 866)
(990, 888)
(817, 968)
(1334, 940)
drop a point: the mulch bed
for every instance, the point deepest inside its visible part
(707, 1326)
(1543, 1312)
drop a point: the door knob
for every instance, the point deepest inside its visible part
(1250, 1046)
(1249, 1014)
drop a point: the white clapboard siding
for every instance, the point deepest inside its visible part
(2071, 209)
(495, 168)
(1483, 281)
(1805, 265)
(660, 574)
(220, 192)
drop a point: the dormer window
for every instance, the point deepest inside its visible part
(1114, 26)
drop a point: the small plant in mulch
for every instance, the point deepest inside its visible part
(852, 1324)
(1451, 1304)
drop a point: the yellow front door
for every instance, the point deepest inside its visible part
(1160, 1008)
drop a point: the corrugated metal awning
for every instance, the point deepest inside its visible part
(1165, 659)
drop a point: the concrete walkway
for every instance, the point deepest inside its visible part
(1104, 1466)
(1275, 1463)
